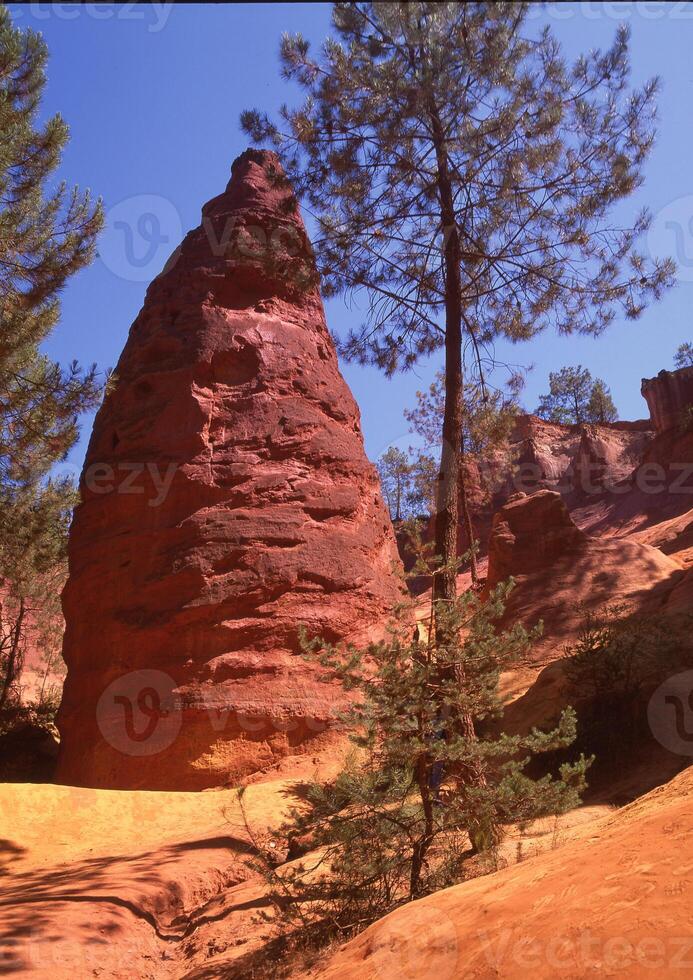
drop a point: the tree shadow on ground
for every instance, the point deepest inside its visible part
(113, 906)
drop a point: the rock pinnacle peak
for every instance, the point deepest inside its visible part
(227, 501)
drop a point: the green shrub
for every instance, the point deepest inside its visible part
(425, 792)
(612, 668)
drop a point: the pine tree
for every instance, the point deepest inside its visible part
(403, 818)
(684, 356)
(600, 407)
(44, 240)
(487, 419)
(462, 175)
(406, 480)
(574, 397)
(422, 489)
(395, 471)
(46, 236)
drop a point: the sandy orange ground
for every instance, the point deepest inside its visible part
(108, 884)
(615, 901)
(98, 883)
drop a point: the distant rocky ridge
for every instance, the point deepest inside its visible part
(615, 478)
(581, 462)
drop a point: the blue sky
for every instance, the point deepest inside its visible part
(152, 95)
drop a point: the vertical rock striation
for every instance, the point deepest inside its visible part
(226, 501)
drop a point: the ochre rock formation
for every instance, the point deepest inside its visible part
(226, 502)
(659, 488)
(529, 534)
(562, 573)
(138, 884)
(591, 466)
(559, 569)
(605, 457)
(667, 397)
(577, 460)
(674, 537)
(541, 452)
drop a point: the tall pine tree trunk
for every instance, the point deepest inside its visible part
(447, 500)
(447, 495)
(423, 843)
(467, 519)
(14, 658)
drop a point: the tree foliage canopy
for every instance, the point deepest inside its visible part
(46, 236)
(462, 175)
(536, 151)
(684, 356)
(575, 397)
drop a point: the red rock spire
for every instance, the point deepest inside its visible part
(227, 500)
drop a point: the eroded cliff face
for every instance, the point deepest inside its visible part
(226, 502)
(577, 460)
(668, 395)
(560, 571)
(590, 465)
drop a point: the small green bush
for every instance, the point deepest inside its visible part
(612, 668)
(425, 792)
